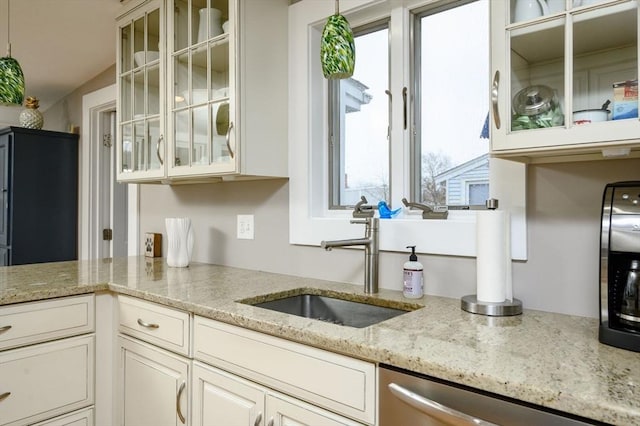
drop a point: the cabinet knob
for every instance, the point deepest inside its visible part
(4, 396)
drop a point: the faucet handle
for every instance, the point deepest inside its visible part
(427, 211)
(361, 209)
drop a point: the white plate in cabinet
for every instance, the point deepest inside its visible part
(335, 382)
(28, 323)
(156, 324)
(77, 418)
(45, 380)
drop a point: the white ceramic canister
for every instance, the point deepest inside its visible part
(215, 26)
(179, 241)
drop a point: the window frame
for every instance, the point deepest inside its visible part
(310, 220)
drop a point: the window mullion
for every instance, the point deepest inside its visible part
(399, 71)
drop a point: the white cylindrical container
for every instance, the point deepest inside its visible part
(412, 277)
(179, 241)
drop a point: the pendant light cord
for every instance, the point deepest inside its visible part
(8, 28)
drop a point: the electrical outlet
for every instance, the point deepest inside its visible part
(245, 227)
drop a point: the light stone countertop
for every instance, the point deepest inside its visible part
(548, 359)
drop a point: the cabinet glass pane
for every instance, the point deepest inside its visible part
(126, 148)
(138, 94)
(537, 75)
(153, 31)
(154, 143)
(605, 54)
(199, 74)
(200, 127)
(153, 95)
(125, 48)
(219, 69)
(138, 146)
(181, 16)
(139, 38)
(125, 97)
(524, 10)
(220, 119)
(181, 138)
(181, 79)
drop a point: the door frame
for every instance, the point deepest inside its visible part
(93, 105)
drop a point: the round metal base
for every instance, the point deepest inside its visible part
(493, 309)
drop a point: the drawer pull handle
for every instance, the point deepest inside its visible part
(147, 325)
(4, 396)
(5, 328)
(270, 423)
(258, 420)
(435, 410)
(178, 408)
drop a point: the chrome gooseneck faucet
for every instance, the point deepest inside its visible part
(370, 243)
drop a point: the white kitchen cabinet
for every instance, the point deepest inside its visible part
(140, 71)
(579, 49)
(84, 417)
(154, 386)
(305, 373)
(156, 324)
(221, 398)
(224, 97)
(46, 380)
(47, 359)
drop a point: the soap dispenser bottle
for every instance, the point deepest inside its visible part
(412, 276)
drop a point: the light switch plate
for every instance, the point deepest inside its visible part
(245, 227)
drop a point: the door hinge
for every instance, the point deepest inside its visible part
(107, 234)
(106, 140)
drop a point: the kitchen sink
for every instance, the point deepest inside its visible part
(334, 309)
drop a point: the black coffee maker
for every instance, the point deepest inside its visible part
(620, 266)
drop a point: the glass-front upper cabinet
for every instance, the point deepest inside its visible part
(140, 77)
(202, 92)
(565, 77)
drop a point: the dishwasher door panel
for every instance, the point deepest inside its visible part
(474, 408)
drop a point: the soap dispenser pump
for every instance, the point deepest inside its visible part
(412, 276)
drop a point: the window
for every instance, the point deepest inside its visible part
(451, 57)
(321, 178)
(359, 123)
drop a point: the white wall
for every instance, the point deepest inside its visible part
(561, 274)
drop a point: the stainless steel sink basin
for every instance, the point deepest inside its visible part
(334, 309)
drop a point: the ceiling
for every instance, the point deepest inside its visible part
(60, 44)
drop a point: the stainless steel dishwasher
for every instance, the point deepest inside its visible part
(409, 399)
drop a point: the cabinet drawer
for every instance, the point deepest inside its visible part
(46, 380)
(156, 324)
(77, 418)
(336, 382)
(28, 323)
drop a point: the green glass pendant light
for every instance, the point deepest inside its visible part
(11, 76)
(337, 48)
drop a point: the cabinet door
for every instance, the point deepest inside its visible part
(140, 76)
(153, 386)
(284, 411)
(577, 50)
(45, 380)
(220, 398)
(202, 73)
(5, 147)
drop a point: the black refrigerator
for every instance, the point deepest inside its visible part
(39, 184)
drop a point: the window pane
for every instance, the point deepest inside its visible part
(359, 123)
(453, 67)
